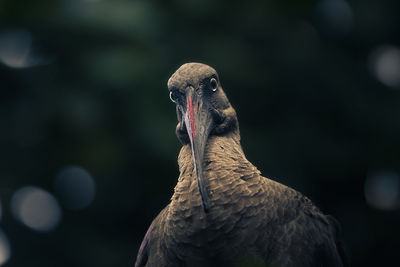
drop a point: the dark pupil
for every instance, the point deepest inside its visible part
(213, 84)
(174, 95)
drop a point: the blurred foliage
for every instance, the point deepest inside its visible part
(312, 115)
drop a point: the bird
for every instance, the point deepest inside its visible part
(223, 212)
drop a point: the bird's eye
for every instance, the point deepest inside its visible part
(172, 96)
(213, 84)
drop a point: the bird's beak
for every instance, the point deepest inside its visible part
(199, 122)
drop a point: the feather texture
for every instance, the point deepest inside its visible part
(251, 218)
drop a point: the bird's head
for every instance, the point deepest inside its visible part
(203, 110)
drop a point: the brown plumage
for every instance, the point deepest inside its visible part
(223, 212)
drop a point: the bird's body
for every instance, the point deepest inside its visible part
(249, 218)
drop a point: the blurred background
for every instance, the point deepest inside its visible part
(87, 131)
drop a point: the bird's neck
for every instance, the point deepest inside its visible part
(224, 167)
(228, 178)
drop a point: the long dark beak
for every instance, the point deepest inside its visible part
(199, 122)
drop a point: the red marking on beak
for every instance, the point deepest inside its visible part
(191, 117)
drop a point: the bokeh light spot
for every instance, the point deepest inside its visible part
(74, 187)
(36, 208)
(15, 48)
(382, 190)
(18, 49)
(334, 16)
(5, 249)
(385, 65)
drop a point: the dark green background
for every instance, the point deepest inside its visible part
(312, 115)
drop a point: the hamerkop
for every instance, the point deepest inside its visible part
(223, 212)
